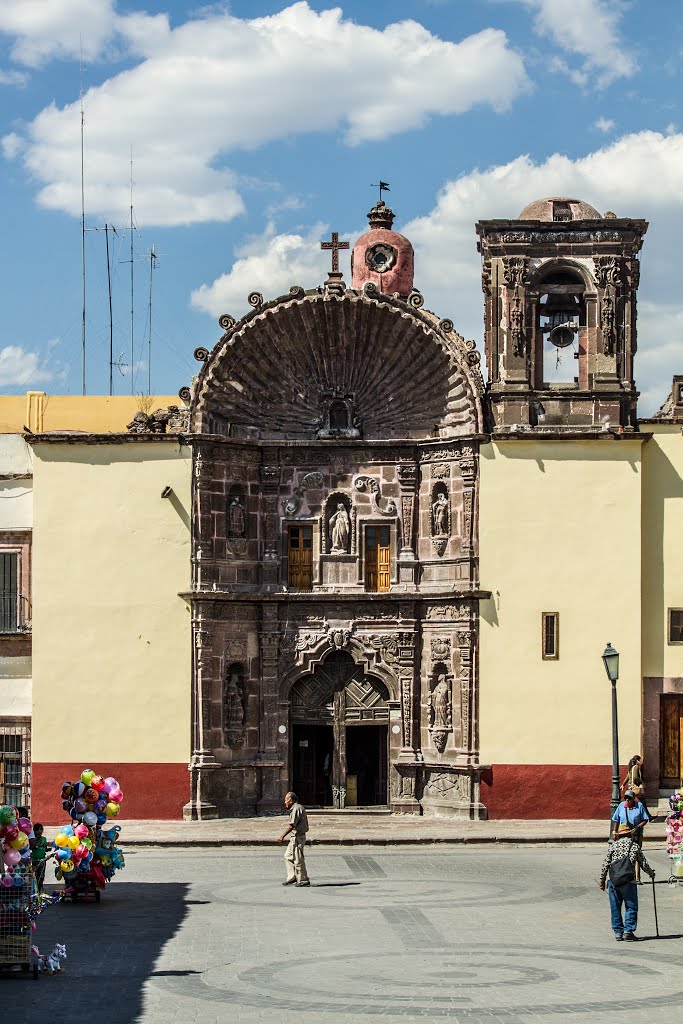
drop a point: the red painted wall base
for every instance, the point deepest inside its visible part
(548, 790)
(150, 791)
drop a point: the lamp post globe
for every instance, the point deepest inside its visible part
(610, 659)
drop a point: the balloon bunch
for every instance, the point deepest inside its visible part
(86, 850)
(16, 852)
(676, 801)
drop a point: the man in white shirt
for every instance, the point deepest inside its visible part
(296, 830)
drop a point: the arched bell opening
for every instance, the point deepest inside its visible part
(560, 322)
(339, 729)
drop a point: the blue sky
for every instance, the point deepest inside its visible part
(256, 128)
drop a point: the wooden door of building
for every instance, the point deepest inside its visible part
(377, 559)
(336, 696)
(300, 558)
(671, 740)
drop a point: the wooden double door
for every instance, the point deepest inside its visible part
(670, 740)
(340, 736)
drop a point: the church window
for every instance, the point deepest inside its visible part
(551, 636)
(300, 557)
(676, 625)
(377, 559)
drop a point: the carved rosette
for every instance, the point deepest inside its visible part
(386, 646)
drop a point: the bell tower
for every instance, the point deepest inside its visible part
(560, 287)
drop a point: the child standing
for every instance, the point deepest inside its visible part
(40, 855)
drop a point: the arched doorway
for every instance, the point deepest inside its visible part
(340, 736)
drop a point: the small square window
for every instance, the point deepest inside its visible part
(676, 625)
(550, 641)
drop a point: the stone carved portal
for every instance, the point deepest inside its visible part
(339, 735)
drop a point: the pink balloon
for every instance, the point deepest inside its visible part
(111, 782)
(6, 880)
(81, 831)
(24, 825)
(11, 858)
(115, 795)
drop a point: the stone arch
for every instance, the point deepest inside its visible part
(557, 264)
(270, 373)
(366, 657)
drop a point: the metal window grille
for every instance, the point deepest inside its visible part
(15, 610)
(15, 763)
(551, 636)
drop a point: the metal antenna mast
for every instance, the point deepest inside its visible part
(111, 317)
(82, 223)
(152, 267)
(132, 285)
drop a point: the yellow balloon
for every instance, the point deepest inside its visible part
(112, 809)
(61, 840)
(20, 842)
(72, 842)
(67, 867)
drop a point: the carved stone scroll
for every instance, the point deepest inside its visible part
(369, 484)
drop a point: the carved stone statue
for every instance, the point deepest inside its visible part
(440, 515)
(442, 713)
(234, 710)
(236, 519)
(340, 527)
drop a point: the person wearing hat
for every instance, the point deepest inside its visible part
(623, 892)
(628, 821)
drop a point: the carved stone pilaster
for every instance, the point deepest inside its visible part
(516, 278)
(202, 760)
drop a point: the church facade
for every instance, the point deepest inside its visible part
(351, 566)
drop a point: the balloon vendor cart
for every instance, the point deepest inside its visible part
(674, 838)
(86, 852)
(19, 899)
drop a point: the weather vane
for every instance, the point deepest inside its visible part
(383, 186)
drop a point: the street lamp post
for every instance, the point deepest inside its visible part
(610, 659)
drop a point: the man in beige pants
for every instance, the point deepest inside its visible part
(296, 830)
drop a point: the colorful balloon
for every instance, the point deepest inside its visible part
(61, 839)
(112, 809)
(20, 842)
(87, 775)
(72, 842)
(81, 831)
(90, 818)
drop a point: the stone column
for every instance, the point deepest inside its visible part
(270, 488)
(202, 762)
(407, 562)
(468, 470)
(268, 756)
(202, 527)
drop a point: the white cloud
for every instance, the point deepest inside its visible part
(604, 124)
(18, 78)
(590, 29)
(63, 29)
(270, 264)
(221, 84)
(12, 145)
(18, 366)
(636, 176)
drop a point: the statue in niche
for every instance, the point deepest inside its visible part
(440, 712)
(440, 515)
(234, 708)
(236, 518)
(340, 529)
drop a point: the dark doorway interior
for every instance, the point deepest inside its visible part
(313, 748)
(366, 760)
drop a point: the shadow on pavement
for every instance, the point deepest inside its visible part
(112, 948)
(332, 885)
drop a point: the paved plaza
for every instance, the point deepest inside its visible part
(421, 933)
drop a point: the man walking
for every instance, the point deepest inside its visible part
(296, 830)
(621, 860)
(629, 819)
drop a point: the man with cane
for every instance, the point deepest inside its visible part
(630, 818)
(621, 860)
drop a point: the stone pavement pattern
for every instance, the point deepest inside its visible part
(465, 934)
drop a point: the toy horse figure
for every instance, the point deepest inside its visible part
(51, 963)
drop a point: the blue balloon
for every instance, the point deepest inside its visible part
(63, 854)
(67, 830)
(101, 818)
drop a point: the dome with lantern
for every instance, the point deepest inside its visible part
(383, 256)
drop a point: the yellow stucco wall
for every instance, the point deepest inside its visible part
(662, 547)
(111, 638)
(559, 532)
(94, 413)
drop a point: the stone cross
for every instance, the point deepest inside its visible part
(335, 245)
